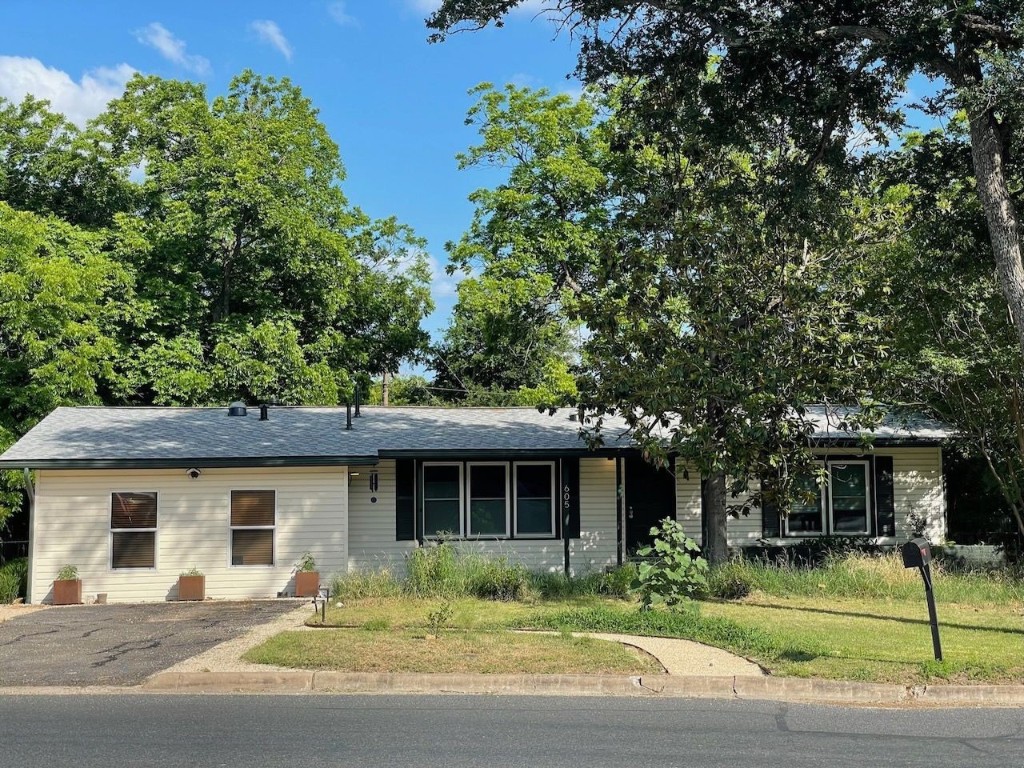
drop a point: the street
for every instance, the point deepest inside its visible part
(122, 730)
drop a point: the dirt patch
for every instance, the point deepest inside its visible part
(14, 611)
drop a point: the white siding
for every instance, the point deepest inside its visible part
(71, 524)
(371, 543)
(688, 502)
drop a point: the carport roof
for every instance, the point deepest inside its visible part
(98, 437)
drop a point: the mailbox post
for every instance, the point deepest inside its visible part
(918, 554)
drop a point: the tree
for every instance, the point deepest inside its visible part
(954, 346)
(61, 300)
(719, 301)
(824, 69)
(243, 237)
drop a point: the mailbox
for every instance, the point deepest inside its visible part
(916, 554)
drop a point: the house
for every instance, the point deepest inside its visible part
(134, 496)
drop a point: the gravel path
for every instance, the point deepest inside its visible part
(13, 611)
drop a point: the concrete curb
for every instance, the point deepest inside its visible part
(790, 689)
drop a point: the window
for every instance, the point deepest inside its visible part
(253, 517)
(848, 491)
(844, 502)
(442, 499)
(488, 499)
(535, 498)
(806, 515)
(133, 530)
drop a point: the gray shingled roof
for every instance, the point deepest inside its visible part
(309, 435)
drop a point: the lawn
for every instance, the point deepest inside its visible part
(856, 618)
(494, 652)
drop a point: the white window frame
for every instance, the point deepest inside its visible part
(470, 534)
(868, 500)
(554, 497)
(462, 496)
(111, 531)
(824, 514)
(272, 528)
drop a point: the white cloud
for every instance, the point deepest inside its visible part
(271, 34)
(339, 12)
(78, 101)
(172, 48)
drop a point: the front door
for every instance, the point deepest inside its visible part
(650, 498)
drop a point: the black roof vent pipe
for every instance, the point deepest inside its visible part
(358, 397)
(348, 415)
(264, 413)
(237, 408)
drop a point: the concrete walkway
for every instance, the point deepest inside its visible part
(685, 657)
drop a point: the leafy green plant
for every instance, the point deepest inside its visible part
(193, 571)
(13, 580)
(67, 573)
(307, 563)
(674, 573)
(440, 617)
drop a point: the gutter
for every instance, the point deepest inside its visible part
(186, 463)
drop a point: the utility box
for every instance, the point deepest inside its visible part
(917, 553)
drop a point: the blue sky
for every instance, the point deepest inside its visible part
(394, 103)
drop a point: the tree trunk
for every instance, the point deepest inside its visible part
(987, 152)
(384, 386)
(713, 502)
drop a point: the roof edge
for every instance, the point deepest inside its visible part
(201, 463)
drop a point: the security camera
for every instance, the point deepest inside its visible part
(193, 473)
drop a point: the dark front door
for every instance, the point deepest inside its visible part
(650, 498)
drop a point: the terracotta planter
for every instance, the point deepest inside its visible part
(67, 592)
(191, 587)
(307, 583)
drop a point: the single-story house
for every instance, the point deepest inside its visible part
(135, 496)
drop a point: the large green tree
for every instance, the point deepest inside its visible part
(244, 247)
(825, 69)
(719, 300)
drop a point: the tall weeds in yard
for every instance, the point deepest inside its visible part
(860, 575)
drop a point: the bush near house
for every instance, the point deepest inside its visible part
(13, 580)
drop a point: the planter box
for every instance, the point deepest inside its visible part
(191, 587)
(67, 592)
(307, 583)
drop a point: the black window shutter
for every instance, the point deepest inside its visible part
(885, 497)
(405, 500)
(570, 497)
(771, 522)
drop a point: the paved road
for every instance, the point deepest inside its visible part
(123, 730)
(119, 644)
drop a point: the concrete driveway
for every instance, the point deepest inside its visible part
(120, 644)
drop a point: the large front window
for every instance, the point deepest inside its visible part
(841, 507)
(489, 499)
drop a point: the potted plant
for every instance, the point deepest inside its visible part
(191, 585)
(307, 578)
(67, 587)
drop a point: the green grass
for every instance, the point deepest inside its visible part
(358, 650)
(858, 617)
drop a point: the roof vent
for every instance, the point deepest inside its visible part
(237, 408)
(264, 413)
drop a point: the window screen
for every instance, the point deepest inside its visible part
(488, 499)
(442, 499)
(535, 501)
(253, 517)
(133, 530)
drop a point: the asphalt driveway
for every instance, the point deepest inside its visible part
(120, 644)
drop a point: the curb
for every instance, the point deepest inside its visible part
(791, 689)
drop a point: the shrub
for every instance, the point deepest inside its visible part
(434, 571)
(729, 582)
(498, 580)
(675, 573)
(13, 580)
(365, 584)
